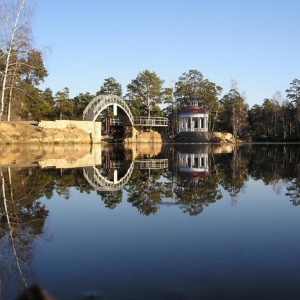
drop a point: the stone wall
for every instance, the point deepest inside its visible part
(92, 128)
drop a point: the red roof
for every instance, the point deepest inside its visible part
(193, 110)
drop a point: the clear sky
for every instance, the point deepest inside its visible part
(254, 42)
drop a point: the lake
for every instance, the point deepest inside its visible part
(151, 221)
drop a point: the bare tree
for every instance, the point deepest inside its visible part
(239, 108)
(15, 36)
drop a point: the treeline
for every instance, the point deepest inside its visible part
(22, 70)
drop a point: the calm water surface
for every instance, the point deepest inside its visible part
(151, 221)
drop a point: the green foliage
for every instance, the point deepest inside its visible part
(80, 102)
(32, 69)
(233, 116)
(63, 104)
(110, 87)
(144, 93)
(256, 120)
(273, 120)
(23, 99)
(293, 93)
(34, 107)
(188, 86)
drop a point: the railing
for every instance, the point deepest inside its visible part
(150, 121)
(142, 121)
(115, 121)
(151, 164)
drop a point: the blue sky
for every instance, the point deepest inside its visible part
(254, 42)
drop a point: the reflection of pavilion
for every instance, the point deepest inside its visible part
(192, 163)
(194, 187)
(193, 166)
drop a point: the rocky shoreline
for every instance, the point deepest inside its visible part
(11, 133)
(19, 133)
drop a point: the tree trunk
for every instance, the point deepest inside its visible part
(8, 57)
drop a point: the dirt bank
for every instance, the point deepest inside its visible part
(20, 133)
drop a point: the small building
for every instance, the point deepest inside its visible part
(193, 118)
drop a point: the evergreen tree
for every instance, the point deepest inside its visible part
(63, 104)
(80, 102)
(110, 87)
(144, 93)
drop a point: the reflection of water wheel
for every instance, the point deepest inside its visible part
(102, 183)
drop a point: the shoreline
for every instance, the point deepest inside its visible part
(19, 133)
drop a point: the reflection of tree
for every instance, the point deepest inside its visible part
(145, 191)
(277, 165)
(111, 199)
(235, 174)
(21, 221)
(293, 188)
(64, 179)
(195, 195)
(293, 191)
(273, 162)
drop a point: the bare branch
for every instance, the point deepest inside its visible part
(16, 38)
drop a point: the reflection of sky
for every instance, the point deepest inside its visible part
(242, 250)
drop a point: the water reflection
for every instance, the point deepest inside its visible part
(190, 178)
(153, 175)
(196, 182)
(22, 220)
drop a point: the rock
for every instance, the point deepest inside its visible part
(21, 133)
(144, 137)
